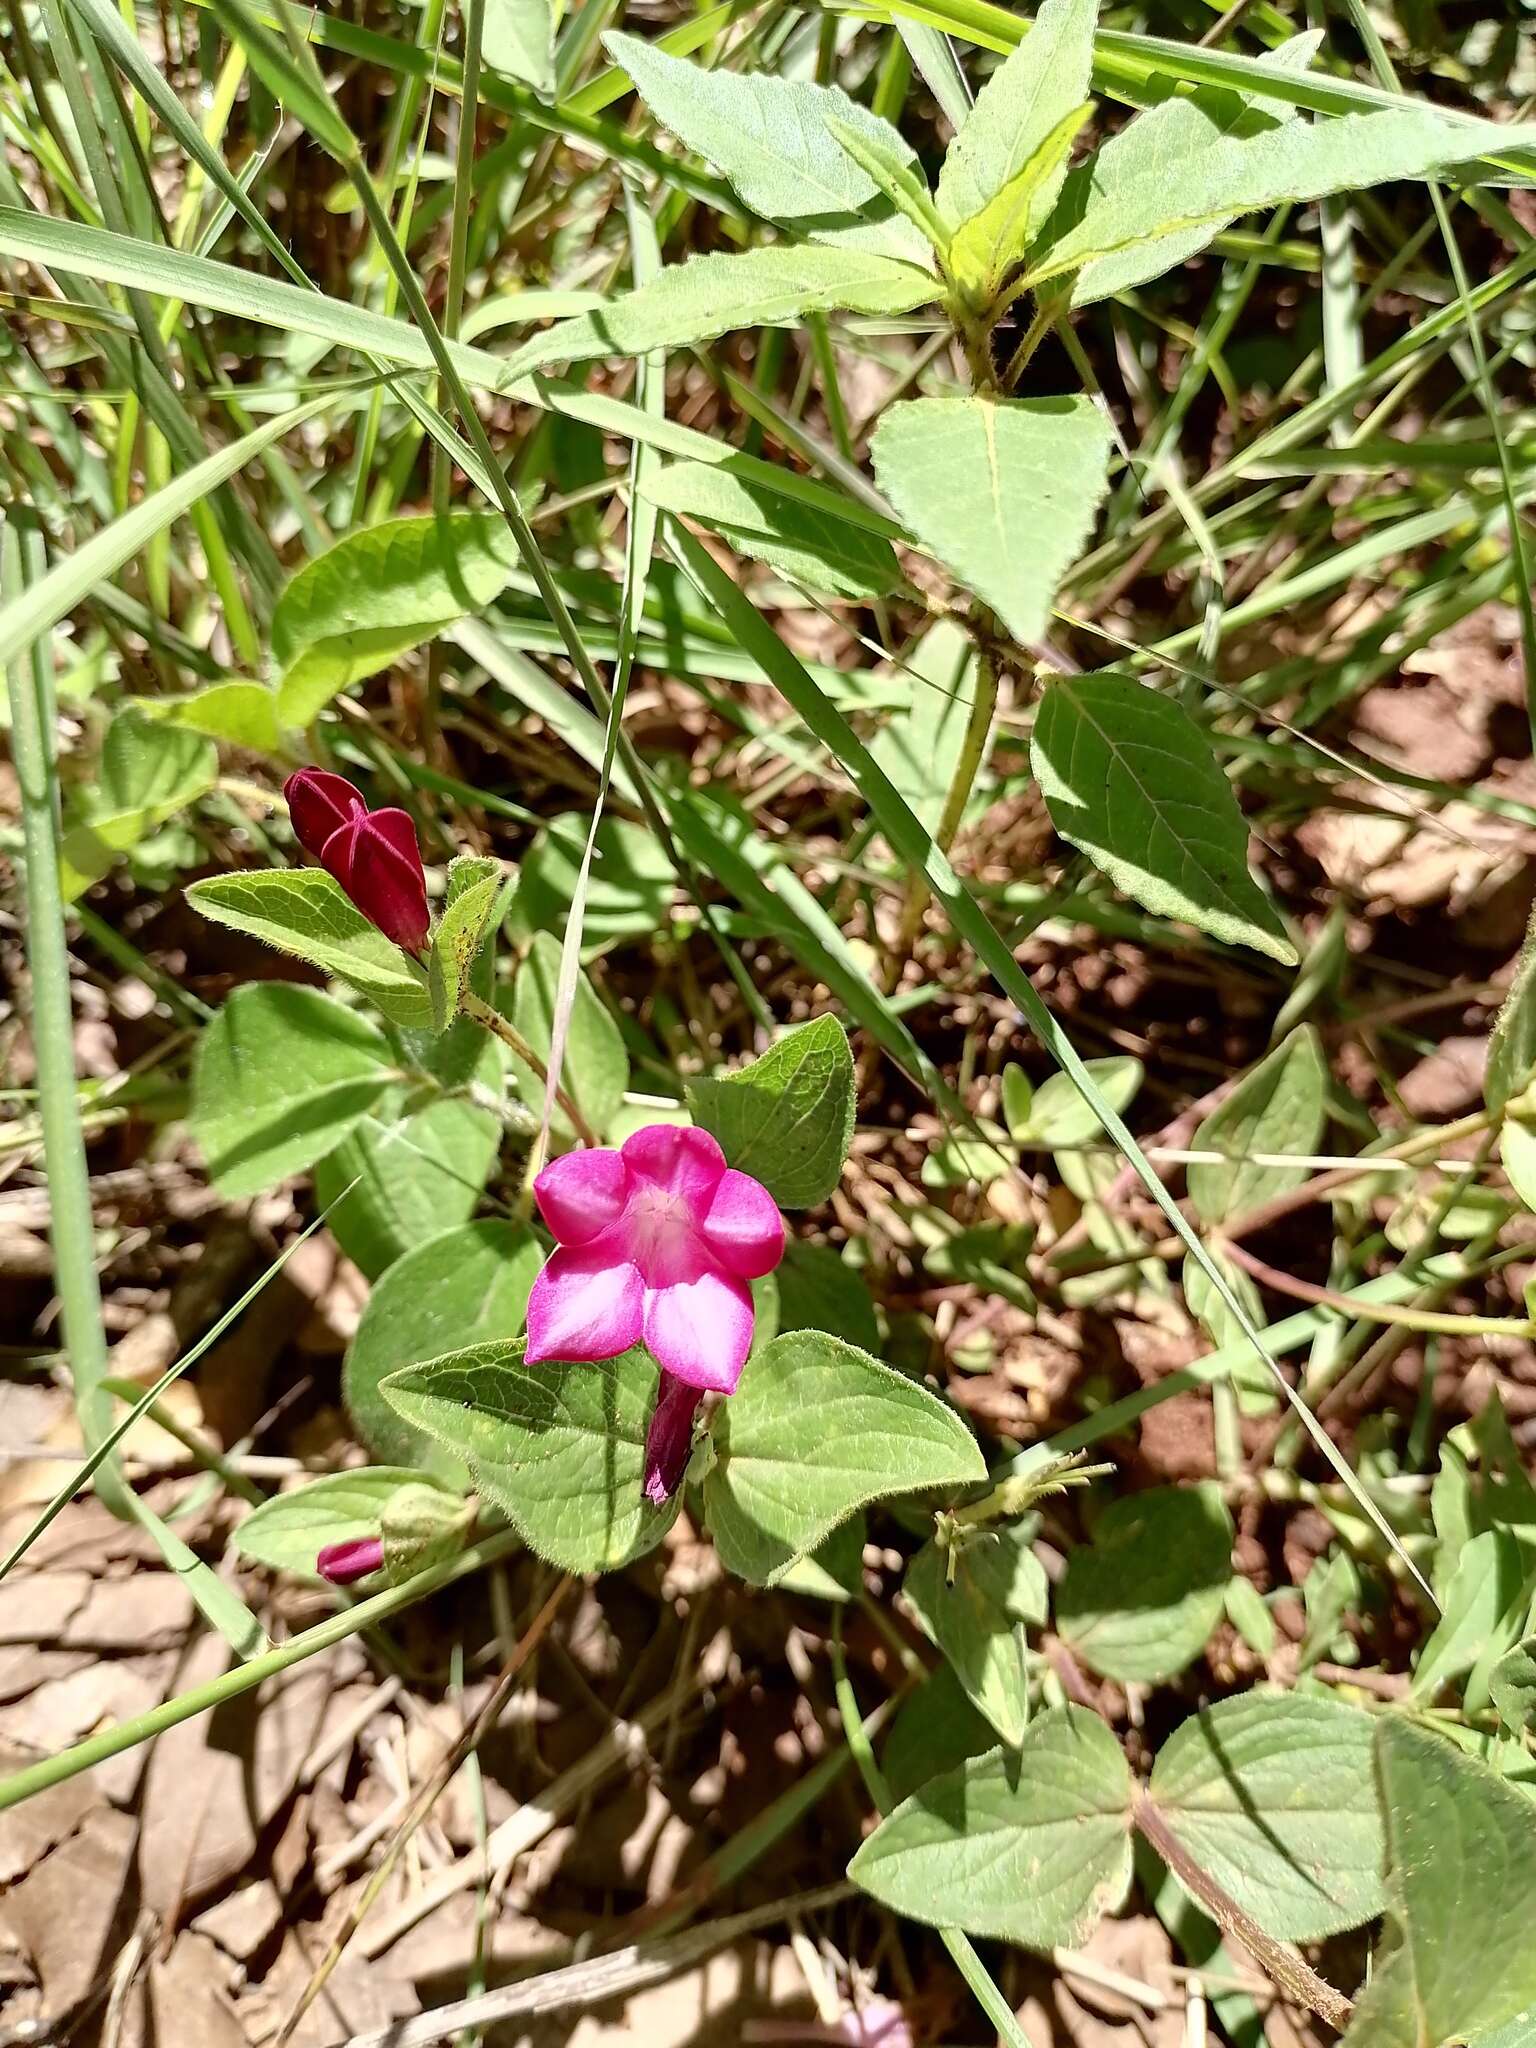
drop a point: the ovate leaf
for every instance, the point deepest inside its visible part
(1002, 491)
(1055, 1114)
(787, 1119)
(375, 595)
(1141, 1599)
(242, 714)
(1129, 778)
(937, 1729)
(1277, 1108)
(559, 1449)
(1029, 1845)
(1275, 1800)
(712, 295)
(282, 1074)
(1457, 1960)
(288, 1532)
(147, 774)
(304, 912)
(461, 1288)
(596, 1072)
(630, 891)
(815, 1431)
(1512, 1687)
(395, 1184)
(976, 1614)
(518, 39)
(800, 541)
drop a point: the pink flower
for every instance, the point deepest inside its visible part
(373, 854)
(654, 1243)
(344, 1563)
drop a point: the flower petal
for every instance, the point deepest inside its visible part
(700, 1330)
(743, 1227)
(344, 1563)
(681, 1160)
(581, 1194)
(319, 802)
(383, 879)
(585, 1305)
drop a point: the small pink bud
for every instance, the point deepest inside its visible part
(344, 1563)
(669, 1440)
(373, 854)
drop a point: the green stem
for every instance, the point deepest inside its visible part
(966, 1960)
(973, 751)
(53, 1038)
(96, 1749)
(493, 1021)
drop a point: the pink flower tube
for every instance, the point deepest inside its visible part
(654, 1244)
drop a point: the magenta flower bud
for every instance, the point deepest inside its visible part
(342, 1564)
(654, 1244)
(373, 854)
(669, 1440)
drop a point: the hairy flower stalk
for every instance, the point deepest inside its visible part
(655, 1244)
(372, 854)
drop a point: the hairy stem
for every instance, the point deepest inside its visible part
(492, 1020)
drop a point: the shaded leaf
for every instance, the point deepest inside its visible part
(596, 1073)
(1140, 1601)
(1278, 1107)
(518, 39)
(242, 714)
(413, 1178)
(787, 1118)
(977, 1617)
(795, 538)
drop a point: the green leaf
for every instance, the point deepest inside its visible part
(1029, 1845)
(712, 295)
(787, 1118)
(421, 1526)
(1483, 1613)
(304, 912)
(1274, 1799)
(1056, 1117)
(630, 894)
(1512, 1042)
(1277, 1107)
(1130, 778)
(937, 1729)
(474, 882)
(1150, 186)
(377, 594)
(1517, 1151)
(518, 40)
(242, 714)
(1044, 79)
(147, 774)
(1457, 1960)
(560, 1449)
(819, 1290)
(1002, 491)
(816, 1430)
(282, 1074)
(988, 249)
(1512, 1687)
(978, 1620)
(414, 1178)
(919, 747)
(288, 1532)
(834, 1570)
(768, 137)
(458, 1289)
(596, 1064)
(797, 539)
(1140, 1601)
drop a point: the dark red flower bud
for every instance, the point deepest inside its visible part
(373, 854)
(344, 1563)
(669, 1439)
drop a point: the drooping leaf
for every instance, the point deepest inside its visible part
(712, 295)
(1457, 1962)
(241, 713)
(377, 594)
(560, 1451)
(596, 1070)
(1129, 778)
(937, 1729)
(1139, 1601)
(147, 774)
(1277, 1108)
(787, 1119)
(977, 1613)
(462, 1288)
(1002, 491)
(816, 1430)
(819, 1290)
(768, 137)
(1274, 1799)
(518, 39)
(630, 890)
(302, 911)
(287, 1532)
(397, 1182)
(796, 539)
(282, 1075)
(1029, 1845)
